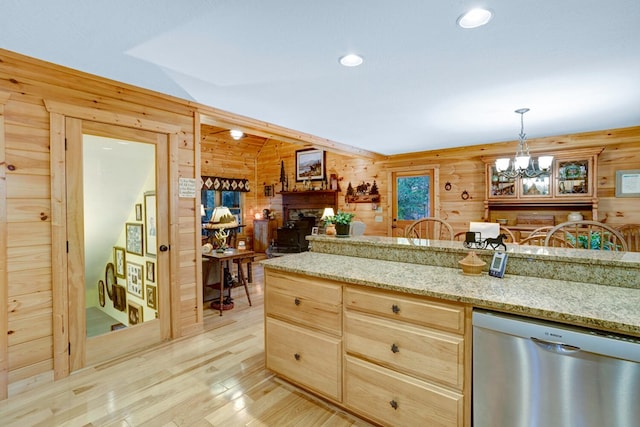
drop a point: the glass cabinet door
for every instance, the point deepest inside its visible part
(535, 187)
(501, 186)
(573, 177)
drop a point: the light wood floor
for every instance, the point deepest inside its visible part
(215, 378)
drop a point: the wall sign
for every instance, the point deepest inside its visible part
(187, 188)
(628, 183)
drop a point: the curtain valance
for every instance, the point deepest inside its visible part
(225, 184)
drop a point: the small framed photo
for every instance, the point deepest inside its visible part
(151, 272)
(314, 231)
(310, 165)
(134, 238)
(139, 212)
(135, 281)
(151, 222)
(119, 297)
(628, 183)
(135, 313)
(120, 261)
(152, 297)
(101, 293)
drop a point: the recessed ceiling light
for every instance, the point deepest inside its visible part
(351, 60)
(236, 134)
(475, 18)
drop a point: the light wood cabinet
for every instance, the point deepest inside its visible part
(405, 354)
(393, 358)
(264, 231)
(303, 331)
(570, 183)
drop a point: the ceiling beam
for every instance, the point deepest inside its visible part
(216, 117)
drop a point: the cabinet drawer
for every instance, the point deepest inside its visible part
(415, 350)
(395, 399)
(449, 317)
(307, 301)
(311, 359)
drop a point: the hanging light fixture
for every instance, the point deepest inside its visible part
(523, 165)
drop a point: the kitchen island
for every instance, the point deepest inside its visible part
(382, 326)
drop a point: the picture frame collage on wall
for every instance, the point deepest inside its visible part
(140, 240)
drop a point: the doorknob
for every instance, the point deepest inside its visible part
(164, 248)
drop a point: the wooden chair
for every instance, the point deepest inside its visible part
(631, 234)
(537, 236)
(587, 235)
(429, 228)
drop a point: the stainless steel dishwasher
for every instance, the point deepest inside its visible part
(529, 372)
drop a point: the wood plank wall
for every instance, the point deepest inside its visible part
(25, 217)
(26, 199)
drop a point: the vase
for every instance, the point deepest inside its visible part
(575, 216)
(342, 230)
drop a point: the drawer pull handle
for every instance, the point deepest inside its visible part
(395, 309)
(296, 301)
(394, 404)
(296, 356)
(394, 348)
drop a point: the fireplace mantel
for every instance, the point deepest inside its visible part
(316, 200)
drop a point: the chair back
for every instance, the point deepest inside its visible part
(357, 228)
(587, 235)
(429, 228)
(631, 234)
(537, 236)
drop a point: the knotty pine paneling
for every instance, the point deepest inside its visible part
(28, 250)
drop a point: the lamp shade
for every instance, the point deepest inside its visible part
(202, 212)
(328, 212)
(219, 213)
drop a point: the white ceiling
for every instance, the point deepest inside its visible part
(425, 83)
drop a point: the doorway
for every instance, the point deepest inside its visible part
(116, 187)
(414, 196)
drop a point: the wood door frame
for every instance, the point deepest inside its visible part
(433, 170)
(60, 113)
(4, 279)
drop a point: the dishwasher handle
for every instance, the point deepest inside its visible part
(555, 347)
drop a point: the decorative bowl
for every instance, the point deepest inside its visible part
(472, 265)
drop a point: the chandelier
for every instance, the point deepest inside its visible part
(523, 165)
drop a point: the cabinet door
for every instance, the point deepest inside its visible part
(539, 186)
(499, 187)
(574, 178)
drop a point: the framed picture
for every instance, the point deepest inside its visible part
(139, 212)
(314, 231)
(152, 297)
(135, 313)
(119, 298)
(628, 183)
(120, 260)
(135, 281)
(310, 165)
(101, 297)
(151, 223)
(134, 238)
(151, 272)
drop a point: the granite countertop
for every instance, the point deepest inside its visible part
(608, 308)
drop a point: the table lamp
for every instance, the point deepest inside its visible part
(327, 217)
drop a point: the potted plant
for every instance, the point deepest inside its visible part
(342, 221)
